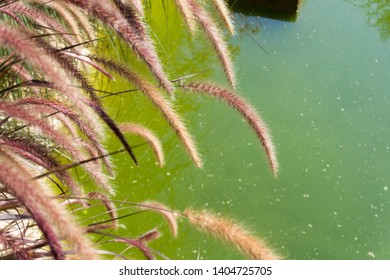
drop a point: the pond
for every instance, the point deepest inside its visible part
(321, 82)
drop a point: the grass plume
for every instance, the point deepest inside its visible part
(20, 42)
(111, 209)
(143, 46)
(245, 109)
(148, 135)
(39, 155)
(67, 144)
(37, 200)
(232, 233)
(169, 215)
(222, 8)
(160, 102)
(185, 9)
(216, 38)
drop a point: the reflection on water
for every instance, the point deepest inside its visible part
(378, 13)
(322, 85)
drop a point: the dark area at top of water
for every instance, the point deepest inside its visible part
(285, 10)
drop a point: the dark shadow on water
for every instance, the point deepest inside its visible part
(285, 10)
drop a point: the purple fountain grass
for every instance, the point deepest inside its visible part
(150, 236)
(4, 9)
(49, 233)
(216, 38)
(12, 15)
(112, 125)
(19, 71)
(108, 13)
(95, 104)
(148, 135)
(38, 154)
(65, 125)
(138, 6)
(222, 8)
(57, 107)
(185, 10)
(246, 110)
(37, 200)
(11, 248)
(61, 140)
(82, 18)
(111, 210)
(20, 248)
(66, 16)
(131, 16)
(160, 102)
(169, 215)
(20, 42)
(87, 60)
(231, 232)
(139, 244)
(76, 164)
(40, 18)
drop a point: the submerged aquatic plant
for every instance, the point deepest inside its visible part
(52, 122)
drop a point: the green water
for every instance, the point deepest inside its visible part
(322, 85)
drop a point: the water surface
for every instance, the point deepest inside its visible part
(322, 85)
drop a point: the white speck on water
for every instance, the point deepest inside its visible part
(310, 225)
(385, 188)
(339, 226)
(306, 195)
(135, 181)
(356, 238)
(168, 174)
(371, 254)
